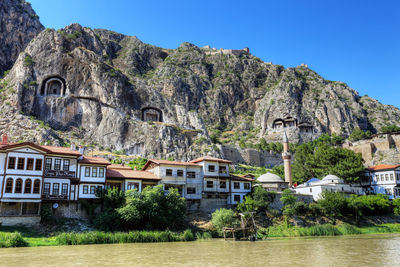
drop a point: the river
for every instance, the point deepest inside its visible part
(362, 250)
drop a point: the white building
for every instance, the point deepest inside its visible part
(330, 183)
(385, 179)
(124, 178)
(185, 176)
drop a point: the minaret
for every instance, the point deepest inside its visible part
(287, 156)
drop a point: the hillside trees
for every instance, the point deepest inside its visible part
(323, 156)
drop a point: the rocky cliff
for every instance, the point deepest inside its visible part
(18, 25)
(110, 91)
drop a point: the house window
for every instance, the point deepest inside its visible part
(391, 177)
(168, 172)
(382, 177)
(9, 185)
(179, 173)
(21, 163)
(210, 184)
(56, 189)
(386, 177)
(191, 190)
(49, 162)
(211, 168)
(310, 190)
(36, 186)
(222, 169)
(246, 186)
(92, 189)
(191, 175)
(132, 186)
(57, 164)
(236, 185)
(64, 189)
(29, 164)
(28, 186)
(18, 186)
(85, 189)
(94, 172)
(236, 198)
(222, 184)
(101, 172)
(38, 166)
(11, 163)
(87, 171)
(66, 165)
(46, 189)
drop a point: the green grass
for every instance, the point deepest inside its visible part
(327, 230)
(26, 237)
(131, 237)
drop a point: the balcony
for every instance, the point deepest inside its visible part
(58, 174)
(54, 197)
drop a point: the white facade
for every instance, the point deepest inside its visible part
(239, 189)
(330, 183)
(91, 178)
(385, 180)
(21, 179)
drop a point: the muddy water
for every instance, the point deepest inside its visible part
(365, 250)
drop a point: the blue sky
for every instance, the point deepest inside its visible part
(357, 42)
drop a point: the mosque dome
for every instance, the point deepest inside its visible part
(330, 178)
(269, 178)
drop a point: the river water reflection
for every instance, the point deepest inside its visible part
(364, 250)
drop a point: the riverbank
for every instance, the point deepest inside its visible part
(326, 230)
(26, 237)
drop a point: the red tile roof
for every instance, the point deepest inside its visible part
(167, 162)
(383, 167)
(131, 174)
(61, 150)
(241, 178)
(94, 160)
(119, 166)
(208, 158)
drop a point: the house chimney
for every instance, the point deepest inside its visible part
(82, 150)
(73, 146)
(5, 139)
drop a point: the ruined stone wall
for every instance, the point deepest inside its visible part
(251, 156)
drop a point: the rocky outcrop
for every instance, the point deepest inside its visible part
(19, 24)
(110, 91)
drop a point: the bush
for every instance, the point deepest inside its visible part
(390, 129)
(223, 218)
(333, 204)
(152, 209)
(396, 206)
(8, 240)
(358, 134)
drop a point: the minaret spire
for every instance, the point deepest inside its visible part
(287, 156)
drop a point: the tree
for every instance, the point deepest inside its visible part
(288, 200)
(152, 209)
(396, 206)
(358, 134)
(223, 218)
(333, 204)
(279, 170)
(322, 157)
(390, 129)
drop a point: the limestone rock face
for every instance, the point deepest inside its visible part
(110, 91)
(19, 24)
